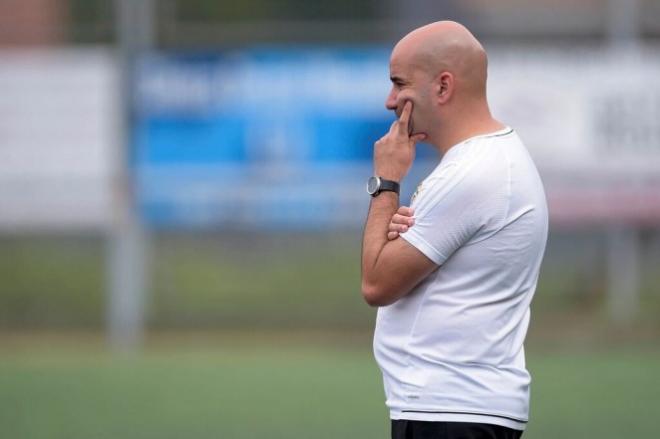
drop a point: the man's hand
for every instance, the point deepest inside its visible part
(395, 151)
(400, 222)
(391, 268)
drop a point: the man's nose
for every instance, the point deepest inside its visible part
(390, 103)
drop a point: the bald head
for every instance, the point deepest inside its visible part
(446, 46)
(441, 69)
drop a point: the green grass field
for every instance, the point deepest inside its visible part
(253, 386)
(272, 363)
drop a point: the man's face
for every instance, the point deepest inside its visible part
(409, 84)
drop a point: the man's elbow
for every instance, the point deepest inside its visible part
(376, 295)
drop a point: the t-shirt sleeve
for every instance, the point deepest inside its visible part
(448, 213)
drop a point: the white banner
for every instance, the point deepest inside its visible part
(58, 129)
(591, 119)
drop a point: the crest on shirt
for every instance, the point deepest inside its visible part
(417, 191)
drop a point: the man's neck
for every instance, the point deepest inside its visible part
(464, 127)
(458, 136)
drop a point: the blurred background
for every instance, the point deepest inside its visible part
(182, 198)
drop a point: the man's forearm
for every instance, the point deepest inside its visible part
(383, 280)
(381, 210)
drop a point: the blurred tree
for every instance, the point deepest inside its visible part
(92, 21)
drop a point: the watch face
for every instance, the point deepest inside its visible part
(373, 185)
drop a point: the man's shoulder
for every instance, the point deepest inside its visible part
(465, 176)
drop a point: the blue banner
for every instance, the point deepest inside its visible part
(263, 138)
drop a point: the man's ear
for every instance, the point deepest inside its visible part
(444, 87)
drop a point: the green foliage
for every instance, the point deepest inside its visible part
(243, 281)
(288, 280)
(51, 282)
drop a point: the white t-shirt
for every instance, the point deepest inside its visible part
(452, 349)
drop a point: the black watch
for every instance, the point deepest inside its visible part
(376, 185)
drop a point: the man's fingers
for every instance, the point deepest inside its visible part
(404, 119)
(400, 228)
(395, 229)
(403, 219)
(393, 126)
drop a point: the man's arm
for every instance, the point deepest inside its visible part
(390, 269)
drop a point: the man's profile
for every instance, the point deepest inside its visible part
(454, 282)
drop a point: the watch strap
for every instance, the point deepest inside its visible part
(386, 186)
(389, 186)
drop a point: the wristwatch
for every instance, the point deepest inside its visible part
(376, 185)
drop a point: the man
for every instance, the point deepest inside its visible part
(454, 282)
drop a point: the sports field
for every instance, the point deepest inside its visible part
(285, 353)
(284, 386)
